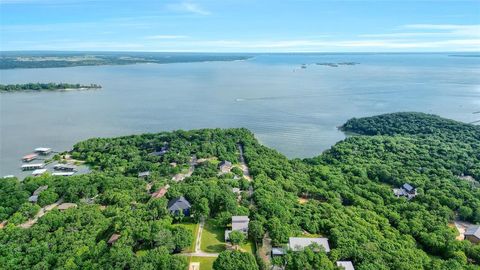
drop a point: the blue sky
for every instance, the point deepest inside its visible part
(240, 25)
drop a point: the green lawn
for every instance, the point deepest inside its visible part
(193, 227)
(248, 247)
(213, 238)
(206, 263)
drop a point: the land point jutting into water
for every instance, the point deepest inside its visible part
(46, 87)
(407, 183)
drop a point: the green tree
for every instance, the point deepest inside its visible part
(235, 260)
(182, 238)
(236, 238)
(201, 209)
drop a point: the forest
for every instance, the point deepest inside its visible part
(344, 194)
(44, 87)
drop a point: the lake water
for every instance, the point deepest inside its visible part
(291, 109)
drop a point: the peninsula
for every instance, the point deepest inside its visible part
(390, 197)
(46, 87)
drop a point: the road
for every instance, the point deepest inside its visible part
(29, 223)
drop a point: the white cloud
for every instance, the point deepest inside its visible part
(166, 37)
(189, 7)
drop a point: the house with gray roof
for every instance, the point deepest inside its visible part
(406, 190)
(299, 243)
(472, 234)
(36, 193)
(144, 174)
(179, 205)
(239, 223)
(225, 166)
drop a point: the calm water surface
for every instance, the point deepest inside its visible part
(293, 110)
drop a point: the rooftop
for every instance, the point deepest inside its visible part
(179, 203)
(43, 149)
(299, 243)
(113, 238)
(39, 171)
(347, 265)
(240, 219)
(473, 230)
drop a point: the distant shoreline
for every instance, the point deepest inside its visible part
(52, 60)
(46, 87)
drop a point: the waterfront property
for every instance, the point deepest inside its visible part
(43, 150)
(179, 205)
(38, 172)
(472, 234)
(299, 243)
(29, 157)
(65, 167)
(31, 167)
(63, 173)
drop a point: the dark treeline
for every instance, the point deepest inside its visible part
(347, 197)
(44, 87)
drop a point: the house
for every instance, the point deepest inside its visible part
(113, 239)
(225, 166)
(406, 190)
(65, 167)
(177, 205)
(144, 174)
(472, 234)
(161, 152)
(347, 265)
(277, 251)
(43, 150)
(29, 157)
(34, 197)
(239, 223)
(161, 192)
(65, 206)
(38, 172)
(30, 167)
(299, 243)
(236, 190)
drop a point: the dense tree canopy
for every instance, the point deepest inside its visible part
(344, 194)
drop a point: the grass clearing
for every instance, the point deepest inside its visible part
(212, 238)
(206, 263)
(248, 246)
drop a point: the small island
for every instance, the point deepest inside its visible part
(46, 87)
